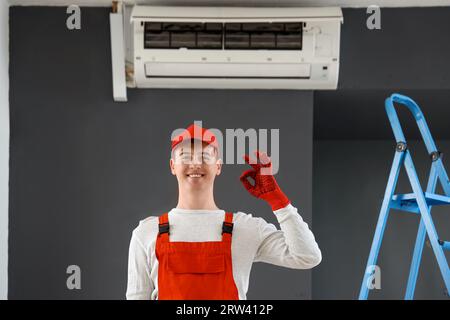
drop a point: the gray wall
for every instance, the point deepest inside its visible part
(410, 51)
(350, 178)
(85, 170)
(349, 114)
(354, 146)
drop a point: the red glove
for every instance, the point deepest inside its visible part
(265, 186)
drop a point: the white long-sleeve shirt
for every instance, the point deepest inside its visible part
(253, 240)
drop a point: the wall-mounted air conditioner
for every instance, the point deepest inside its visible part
(233, 47)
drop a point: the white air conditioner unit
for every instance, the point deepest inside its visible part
(234, 47)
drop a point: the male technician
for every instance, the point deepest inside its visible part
(197, 251)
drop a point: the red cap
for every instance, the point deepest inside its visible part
(196, 132)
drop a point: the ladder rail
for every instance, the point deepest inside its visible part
(427, 220)
(381, 224)
(424, 131)
(420, 241)
(443, 177)
(418, 116)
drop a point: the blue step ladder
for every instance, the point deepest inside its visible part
(418, 202)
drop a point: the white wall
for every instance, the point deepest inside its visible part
(4, 146)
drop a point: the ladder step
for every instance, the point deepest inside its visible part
(408, 201)
(445, 244)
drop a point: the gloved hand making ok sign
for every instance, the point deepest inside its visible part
(265, 186)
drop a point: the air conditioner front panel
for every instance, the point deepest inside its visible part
(227, 70)
(236, 83)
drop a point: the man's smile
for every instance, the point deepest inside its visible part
(195, 175)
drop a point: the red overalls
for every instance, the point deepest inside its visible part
(195, 270)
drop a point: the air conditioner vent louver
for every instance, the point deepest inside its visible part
(168, 35)
(218, 36)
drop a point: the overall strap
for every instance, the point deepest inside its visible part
(163, 233)
(227, 227)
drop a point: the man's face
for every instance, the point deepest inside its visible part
(195, 165)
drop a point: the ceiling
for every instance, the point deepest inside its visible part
(309, 3)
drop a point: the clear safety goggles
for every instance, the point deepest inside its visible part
(188, 157)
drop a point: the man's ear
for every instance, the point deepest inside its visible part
(219, 166)
(172, 166)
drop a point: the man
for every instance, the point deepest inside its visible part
(198, 251)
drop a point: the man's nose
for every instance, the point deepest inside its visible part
(196, 160)
(195, 163)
